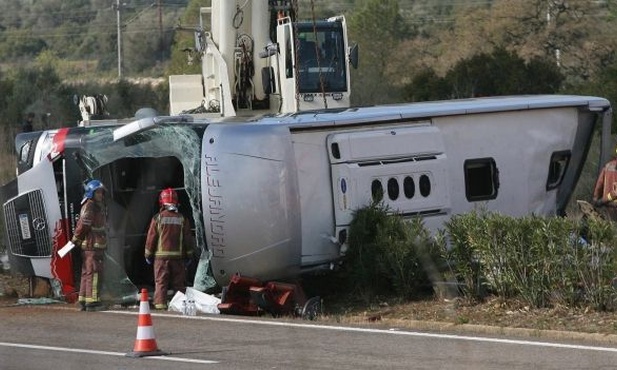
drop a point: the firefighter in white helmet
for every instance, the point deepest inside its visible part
(169, 246)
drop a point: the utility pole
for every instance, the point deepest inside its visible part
(160, 9)
(548, 22)
(118, 7)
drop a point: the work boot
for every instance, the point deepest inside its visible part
(95, 306)
(82, 306)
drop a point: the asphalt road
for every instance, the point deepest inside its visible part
(59, 337)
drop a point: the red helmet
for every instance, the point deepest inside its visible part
(168, 196)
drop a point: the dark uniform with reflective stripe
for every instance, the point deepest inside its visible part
(170, 241)
(91, 235)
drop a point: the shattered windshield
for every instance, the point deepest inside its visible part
(136, 169)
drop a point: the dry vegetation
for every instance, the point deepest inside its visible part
(7, 173)
(12, 287)
(457, 313)
(492, 315)
(7, 158)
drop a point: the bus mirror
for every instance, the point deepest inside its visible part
(353, 56)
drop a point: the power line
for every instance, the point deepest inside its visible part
(100, 31)
(76, 15)
(62, 17)
(109, 29)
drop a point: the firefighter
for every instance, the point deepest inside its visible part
(91, 235)
(605, 190)
(169, 245)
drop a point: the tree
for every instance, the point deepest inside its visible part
(576, 35)
(185, 40)
(426, 86)
(501, 72)
(147, 44)
(543, 76)
(6, 86)
(378, 28)
(605, 85)
(498, 73)
(19, 44)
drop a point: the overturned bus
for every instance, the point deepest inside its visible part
(273, 197)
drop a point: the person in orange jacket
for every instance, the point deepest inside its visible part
(169, 245)
(605, 190)
(91, 235)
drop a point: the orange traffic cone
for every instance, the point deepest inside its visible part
(145, 344)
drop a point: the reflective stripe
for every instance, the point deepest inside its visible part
(145, 332)
(96, 246)
(167, 220)
(168, 253)
(170, 220)
(95, 287)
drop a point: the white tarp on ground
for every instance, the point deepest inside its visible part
(204, 303)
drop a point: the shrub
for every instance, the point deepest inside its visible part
(542, 261)
(388, 254)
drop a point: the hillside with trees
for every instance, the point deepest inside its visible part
(83, 33)
(52, 50)
(571, 39)
(400, 41)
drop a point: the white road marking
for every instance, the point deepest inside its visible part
(105, 353)
(385, 331)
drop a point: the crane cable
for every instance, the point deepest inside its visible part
(294, 19)
(245, 67)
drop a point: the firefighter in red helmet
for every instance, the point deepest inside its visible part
(169, 246)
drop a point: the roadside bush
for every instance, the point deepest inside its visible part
(597, 265)
(464, 232)
(542, 261)
(360, 269)
(386, 254)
